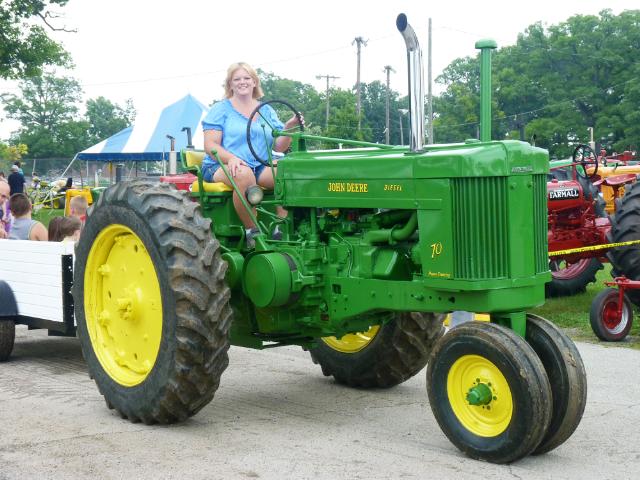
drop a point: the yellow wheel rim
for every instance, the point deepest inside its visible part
(476, 372)
(352, 342)
(123, 305)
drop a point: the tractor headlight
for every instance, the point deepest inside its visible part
(254, 194)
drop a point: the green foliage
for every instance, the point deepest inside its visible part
(106, 118)
(51, 126)
(10, 154)
(24, 47)
(555, 83)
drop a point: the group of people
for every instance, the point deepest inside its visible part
(224, 131)
(16, 222)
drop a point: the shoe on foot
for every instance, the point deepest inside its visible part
(277, 234)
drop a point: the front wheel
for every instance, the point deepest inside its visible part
(151, 303)
(567, 376)
(606, 323)
(383, 356)
(489, 392)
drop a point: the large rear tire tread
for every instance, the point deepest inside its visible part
(398, 352)
(7, 338)
(565, 287)
(625, 226)
(195, 302)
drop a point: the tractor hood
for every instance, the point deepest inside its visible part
(396, 178)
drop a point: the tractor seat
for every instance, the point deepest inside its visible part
(211, 187)
(619, 180)
(192, 161)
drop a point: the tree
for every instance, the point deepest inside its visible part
(554, 83)
(10, 154)
(47, 111)
(25, 48)
(106, 118)
(300, 95)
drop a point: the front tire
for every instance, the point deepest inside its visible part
(605, 322)
(567, 376)
(151, 304)
(385, 355)
(489, 392)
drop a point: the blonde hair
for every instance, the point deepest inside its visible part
(79, 204)
(257, 91)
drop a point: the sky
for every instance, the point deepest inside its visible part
(156, 52)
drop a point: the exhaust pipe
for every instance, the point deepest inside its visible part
(485, 46)
(416, 86)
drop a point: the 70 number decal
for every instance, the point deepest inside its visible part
(436, 249)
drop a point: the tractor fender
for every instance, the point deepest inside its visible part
(8, 304)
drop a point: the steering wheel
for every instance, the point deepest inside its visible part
(257, 111)
(585, 156)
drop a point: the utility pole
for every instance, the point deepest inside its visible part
(401, 112)
(429, 94)
(388, 69)
(328, 77)
(359, 41)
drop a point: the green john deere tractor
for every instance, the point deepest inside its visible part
(379, 243)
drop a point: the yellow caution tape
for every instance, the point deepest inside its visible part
(593, 248)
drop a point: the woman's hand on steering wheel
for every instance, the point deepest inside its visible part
(297, 119)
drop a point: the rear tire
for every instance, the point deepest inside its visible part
(151, 303)
(397, 351)
(572, 279)
(7, 338)
(625, 226)
(604, 318)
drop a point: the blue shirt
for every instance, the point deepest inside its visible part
(233, 125)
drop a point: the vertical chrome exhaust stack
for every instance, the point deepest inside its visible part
(416, 85)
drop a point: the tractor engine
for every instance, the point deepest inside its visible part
(573, 217)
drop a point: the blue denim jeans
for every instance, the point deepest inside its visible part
(210, 169)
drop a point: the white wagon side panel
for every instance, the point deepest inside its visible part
(33, 270)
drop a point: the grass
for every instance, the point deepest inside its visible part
(572, 314)
(44, 215)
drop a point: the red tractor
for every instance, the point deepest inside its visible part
(577, 218)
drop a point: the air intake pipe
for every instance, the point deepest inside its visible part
(416, 86)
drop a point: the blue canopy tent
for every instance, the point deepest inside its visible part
(147, 139)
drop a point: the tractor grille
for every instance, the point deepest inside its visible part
(540, 219)
(480, 230)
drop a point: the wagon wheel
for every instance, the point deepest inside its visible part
(585, 156)
(489, 392)
(255, 131)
